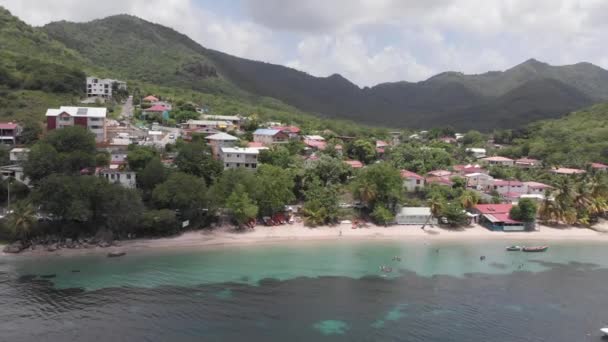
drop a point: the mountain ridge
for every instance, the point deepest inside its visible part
(133, 48)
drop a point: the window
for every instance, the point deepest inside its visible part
(253, 166)
(238, 155)
(246, 164)
(64, 118)
(128, 176)
(227, 165)
(238, 164)
(94, 119)
(96, 127)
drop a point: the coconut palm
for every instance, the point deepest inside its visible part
(469, 199)
(22, 219)
(366, 191)
(436, 205)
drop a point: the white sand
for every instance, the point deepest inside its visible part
(298, 232)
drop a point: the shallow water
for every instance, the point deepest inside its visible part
(311, 291)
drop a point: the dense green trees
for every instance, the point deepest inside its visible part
(419, 159)
(321, 203)
(196, 159)
(274, 188)
(525, 210)
(183, 192)
(139, 156)
(362, 150)
(241, 206)
(379, 185)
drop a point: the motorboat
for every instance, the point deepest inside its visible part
(514, 248)
(535, 249)
(604, 331)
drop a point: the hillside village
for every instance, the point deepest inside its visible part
(156, 148)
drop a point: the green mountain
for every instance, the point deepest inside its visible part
(137, 49)
(573, 140)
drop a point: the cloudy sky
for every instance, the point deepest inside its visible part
(368, 41)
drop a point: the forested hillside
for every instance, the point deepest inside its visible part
(152, 53)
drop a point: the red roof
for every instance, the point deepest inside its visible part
(527, 161)
(494, 208)
(440, 173)
(537, 185)
(8, 125)
(500, 182)
(290, 129)
(151, 98)
(380, 143)
(379, 150)
(439, 180)
(355, 164)
(255, 144)
(320, 145)
(504, 218)
(599, 166)
(410, 174)
(157, 108)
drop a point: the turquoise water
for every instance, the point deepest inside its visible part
(251, 264)
(318, 290)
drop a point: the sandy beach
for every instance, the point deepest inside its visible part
(298, 232)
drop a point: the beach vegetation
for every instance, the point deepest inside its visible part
(242, 208)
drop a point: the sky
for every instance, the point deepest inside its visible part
(367, 41)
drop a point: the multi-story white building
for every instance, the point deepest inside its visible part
(91, 118)
(102, 87)
(235, 157)
(219, 140)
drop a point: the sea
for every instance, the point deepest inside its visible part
(311, 291)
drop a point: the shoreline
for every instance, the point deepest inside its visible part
(263, 235)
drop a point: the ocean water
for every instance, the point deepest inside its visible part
(320, 291)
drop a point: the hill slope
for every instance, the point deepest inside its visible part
(137, 49)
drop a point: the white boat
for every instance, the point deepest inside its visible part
(605, 331)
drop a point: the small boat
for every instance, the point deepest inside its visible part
(604, 331)
(116, 254)
(535, 249)
(514, 248)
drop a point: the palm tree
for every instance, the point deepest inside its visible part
(22, 219)
(469, 199)
(367, 191)
(436, 205)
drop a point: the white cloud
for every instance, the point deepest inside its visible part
(370, 41)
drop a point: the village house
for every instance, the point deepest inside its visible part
(476, 152)
(599, 166)
(412, 181)
(293, 132)
(508, 187)
(463, 170)
(536, 188)
(209, 124)
(219, 140)
(527, 163)
(381, 146)
(496, 217)
(268, 136)
(19, 154)
(157, 109)
(479, 181)
(151, 99)
(444, 181)
(239, 157)
(93, 119)
(235, 120)
(440, 173)
(415, 216)
(14, 171)
(497, 160)
(567, 171)
(102, 87)
(10, 132)
(125, 178)
(355, 164)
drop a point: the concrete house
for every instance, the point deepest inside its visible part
(239, 157)
(476, 152)
(91, 118)
(415, 216)
(496, 217)
(268, 136)
(479, 181)
(412, 181)
(219, 140)
(10, 132)
(527, 163)
(497, 160)
(125, 178)
(19, 154)
(102, 87)
(508, 187)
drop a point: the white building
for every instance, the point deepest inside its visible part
(415, 215)
(219, 140)
(91, 118)
(235, 157)
(127, 179)
(509, 188)
(476, 152)
(102, 87)
(19, 154)
(497, 160)
(478, 180)
(412, 181)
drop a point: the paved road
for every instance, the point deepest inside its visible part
(127, 109)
